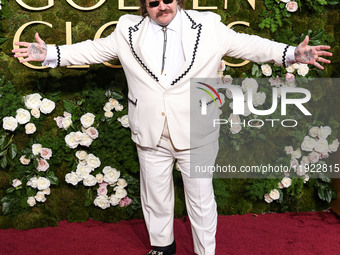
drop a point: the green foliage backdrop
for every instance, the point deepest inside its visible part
(85, 89)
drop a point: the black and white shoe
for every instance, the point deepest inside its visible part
(165, 250)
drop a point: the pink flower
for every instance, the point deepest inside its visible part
(46, 153)
(42, 165)
(125, 201)
(59, 121)
(102, 190)
(92, 132)
(292, 6)
(290, 77)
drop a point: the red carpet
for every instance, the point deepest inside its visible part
(288, 233)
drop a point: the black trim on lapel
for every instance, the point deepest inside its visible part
(135, 29)
(194, 26)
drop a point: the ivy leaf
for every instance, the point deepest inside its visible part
(6, 208)
(116, 95)
(52, 178)
(321, 193)
(4, 162)
(13, 150)
(69, 106)
(88, 197)
(30, 192)
(10, 190)
(2, 153)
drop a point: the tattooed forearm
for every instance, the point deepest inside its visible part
(37, 52)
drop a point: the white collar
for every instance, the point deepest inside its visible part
(175, 25)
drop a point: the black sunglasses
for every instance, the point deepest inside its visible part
(153, 4)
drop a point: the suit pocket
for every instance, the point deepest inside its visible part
(133, 114)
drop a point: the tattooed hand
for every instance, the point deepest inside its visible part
(31, 51)
(311, 54)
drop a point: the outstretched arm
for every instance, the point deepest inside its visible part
(311, 54)
(31, 51)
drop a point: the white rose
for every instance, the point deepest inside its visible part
(47, 191)
(314, 157)
(67, 114)
(70, 141)
(16, 183)
(24, 160)
(119, 108)
(43, 183)
(102, 201)
(108, 107)
(235, 129)
(33, 182)
(108, 115)
(87, 120)
(77, 136)
(322, 146)
(114, 200)
(296, 153)
(90, 180)
(81, 155)
(285, 1)
(23, 116)
(266, 70)
(30, 128)
(300, 170)
(92, 132)
(40, 196)
(120, 192)
(227, 79)
(292, 6)
(32, 101)
(294, 163)
(31, 201)
(303, 69)
(296, 65)
(290, 69)
(86, 140)
(267, 198)
(36, 148)
(280, 185)
(308, 144)
(286, 182)
(124, 120)
(259, 99)
(234, 119)
(221, 66)
(288, 150)
(93, 161)
(249, 83)
(314, 131)
(324, 132)
(111, 175)
(9, 123)
(100, 178)
(35, 113)
(274, 194)
(305, 161)
(333, 147)
(114, 102)
(306, 179)
(66, 122)
(47, 106)
(72, 178)
(83, 171)
(122, 182)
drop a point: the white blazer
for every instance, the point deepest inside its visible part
(205, 41)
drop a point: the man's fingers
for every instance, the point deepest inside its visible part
(25, 60)
(323, 60)
(21, 55)
(324, 53)
(25, 44)
(322, 47)
(305, 41)
(318, 65)
(38, 39)
(19, 50)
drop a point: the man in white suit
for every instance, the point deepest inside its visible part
(160, 51)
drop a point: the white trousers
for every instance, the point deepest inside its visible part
(157, 193)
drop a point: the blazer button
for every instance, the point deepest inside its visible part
(163, 113)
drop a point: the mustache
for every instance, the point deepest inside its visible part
(160, 13)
